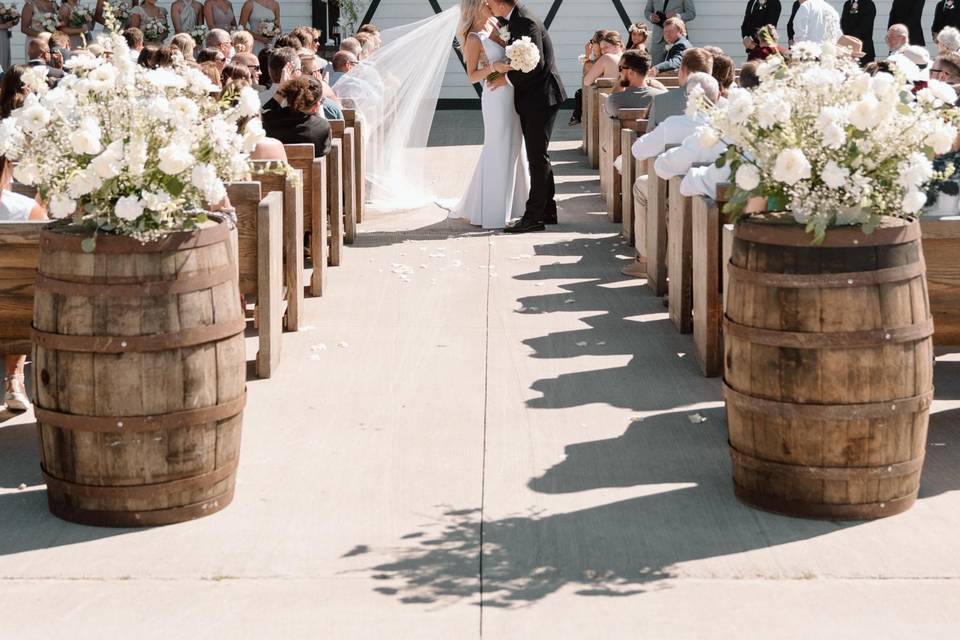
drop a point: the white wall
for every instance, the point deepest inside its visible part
(292, 13)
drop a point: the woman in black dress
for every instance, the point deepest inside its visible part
(857, 20)
(909, 13)
(947, 14)
(759, 13)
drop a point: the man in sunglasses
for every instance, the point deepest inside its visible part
(634, 92)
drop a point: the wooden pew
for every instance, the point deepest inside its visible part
(669, 81)
(708, 280)
(353, 121)
(260, 262)
(655, 238)
(632, 123)
(314, 171)
(335, 202)
(680, 257)
(591, 117)
(605, 129)
(348, 190)
(610, 147)
(291, 193)
(941, 251)
(19, 252)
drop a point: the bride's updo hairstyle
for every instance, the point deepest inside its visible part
(302, 94)
(469, 10)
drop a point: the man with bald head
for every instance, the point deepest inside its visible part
(898, 36)
(38, 52)
(220, 39)
(353, 46)
(343, 61)
(252, 63)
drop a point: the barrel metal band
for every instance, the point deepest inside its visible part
(865, 411)
(150, 518)
(834, 340)
(781, 230)
(808, 472)
(139, 344)
(828, 280)
(132, 289)
(140, 491)
(827, 511)
(138, 424)
(177, 241)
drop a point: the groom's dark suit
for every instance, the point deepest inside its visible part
(537, 97)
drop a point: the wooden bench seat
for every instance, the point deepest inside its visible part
(314, 171)
(19, 252)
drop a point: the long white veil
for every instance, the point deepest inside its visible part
(395, 92)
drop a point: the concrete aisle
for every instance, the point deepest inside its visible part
(456, 386)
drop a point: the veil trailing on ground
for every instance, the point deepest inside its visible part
(395, 92)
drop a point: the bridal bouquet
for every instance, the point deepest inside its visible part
(48, 22)
(199, 34)
(122, 10)
(9, 14)
(268, 29)
(155, 29)
(522, 56)
(81, 16)
(828, 142)
(126, 150)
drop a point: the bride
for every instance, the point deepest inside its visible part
(395, 92)
(500, 185)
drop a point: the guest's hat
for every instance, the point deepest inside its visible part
(854, 45)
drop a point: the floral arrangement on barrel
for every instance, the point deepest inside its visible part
(9, 14)
(829, 143)
(124, 150)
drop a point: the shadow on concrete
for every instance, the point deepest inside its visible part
(941, 467)
(615, 549)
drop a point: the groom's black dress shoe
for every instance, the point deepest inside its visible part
(525, 226)
(550, 219)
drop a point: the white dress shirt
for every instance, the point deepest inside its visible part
(673, 130)
(816, 21)
(703, 181)
(679, 160)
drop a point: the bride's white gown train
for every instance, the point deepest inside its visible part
(501, 183)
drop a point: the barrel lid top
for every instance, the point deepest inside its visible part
(781, 229)
(70, 238)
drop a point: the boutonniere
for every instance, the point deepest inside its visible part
(761, 4)
(948, 4)
(504, 33)
(854, 7)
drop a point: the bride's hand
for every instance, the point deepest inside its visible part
(502, 67)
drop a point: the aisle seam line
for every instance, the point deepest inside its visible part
(483, 458)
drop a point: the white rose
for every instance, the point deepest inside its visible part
(791, 167)
(35, 79)
(26, 173)
(129, 208)
(707, 137)
(175, 159)
(941, 139)
(86, 139)
(834, 176)
(915, 171)
(82, 184)
(204, 177)
(942, 91)
(103, 78)
(860, 84)
(913, 201)
(184, 109)
(62, 206)
(108, 164)
(137, 155)
(865, 113)
(748, 177)
(693, 101)
(33, 118)
(253, 134)
(740, 108)
(249, 104)
(166, 78)
(834, 136)
(156, 201)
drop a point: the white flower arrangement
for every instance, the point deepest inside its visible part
(826, 141)
(504, 33)
(125, 150)
(199, 34)
(268, 29)
(9, 14)
(155, 29)
(523, 55)
(82, 16)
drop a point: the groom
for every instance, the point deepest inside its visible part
(537, 98)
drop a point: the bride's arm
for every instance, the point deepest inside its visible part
(471, 56)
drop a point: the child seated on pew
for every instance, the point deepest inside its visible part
(15, 208)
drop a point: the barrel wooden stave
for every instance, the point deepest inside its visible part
(89, 469)
(832, 465)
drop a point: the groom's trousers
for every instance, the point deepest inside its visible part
(537, 128)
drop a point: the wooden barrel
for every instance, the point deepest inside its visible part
(828, 369)
(140, 376)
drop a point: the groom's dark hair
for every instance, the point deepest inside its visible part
(639, 61)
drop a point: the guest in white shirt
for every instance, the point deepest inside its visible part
(675, 129)
(816, 21)
(898, 36)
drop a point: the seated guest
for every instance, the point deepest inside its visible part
(211, 55)
(897, 38)
(675, 129)
(610, 47)
(134, 38)
(373, 30)
(317, 64)
(185, 44)
(284, 65)
(353, 46)
(343, 61)
(212, 70)
(816, 22)
(220, 40)
(298, 122)
(723, 69)
(945, 68)
(306, 38)
(288, 41)
(38, 54)
(331, 106)
(636, 94)
(675, 35)
(638, 36)
(674, 101)
(242, 42)
(767, 44)
(252, 64)
(948, 40)
(367, 45)
(748, 75)
(15, 208)
(919, 56)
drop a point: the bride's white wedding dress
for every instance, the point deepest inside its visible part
(501, 183)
